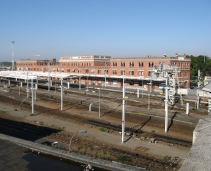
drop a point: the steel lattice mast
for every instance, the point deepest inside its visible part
(13, 55)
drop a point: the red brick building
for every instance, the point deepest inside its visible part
(34, 65)
(107, 71)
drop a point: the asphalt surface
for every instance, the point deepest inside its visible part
(14, 157)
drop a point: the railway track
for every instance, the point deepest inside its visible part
(118, 153)
(96, 149)
(135, 131)
(82, 144)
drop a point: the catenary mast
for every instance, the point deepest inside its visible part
(13, 42)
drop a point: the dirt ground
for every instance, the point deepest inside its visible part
(180, 130)
(113, 138)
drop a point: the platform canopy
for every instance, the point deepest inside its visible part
(33, 74)
(61, 75)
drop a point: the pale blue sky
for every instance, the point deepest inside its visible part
(119, 28)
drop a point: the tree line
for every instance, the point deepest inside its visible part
(202, 63)
(6, 64)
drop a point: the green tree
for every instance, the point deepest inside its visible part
(207, 63)
(202, 63)
(193, 66)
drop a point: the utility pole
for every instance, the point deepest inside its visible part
(87, 83)
(172, 87)
(32, 92)
(123, 114)
(142, 88)
(197, 93)
(79, 78)
(150, 84)
(48, 77)
(105, 79)
(27, 86)
(13, 42)
(105, 72)
(61, 94)
(99, 102)
(170, 75)
(166, 103)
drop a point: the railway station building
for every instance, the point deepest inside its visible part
(100, 70)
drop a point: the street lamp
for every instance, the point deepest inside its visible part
(79, 132)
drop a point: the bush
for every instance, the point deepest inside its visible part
(167, 158)
(41, 123)
(123, 158)
(87, 146)
(3, 111)
(102, 129)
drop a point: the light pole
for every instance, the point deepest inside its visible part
(87, 83)
(19, 87)
(32, 91)
(105, 74)
(13, 55)
(99, 101)
(197, 92)
(105, 79)
(166, 104)
(48, 77)
(150, 84)
(61, 94)
(79, 78)
(27, 86)
(123, 114)
(55, 85)
(142, 88)
(79, 132)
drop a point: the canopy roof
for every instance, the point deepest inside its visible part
(61, 75)
(33, 75)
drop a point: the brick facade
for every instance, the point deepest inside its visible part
(94, 70)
